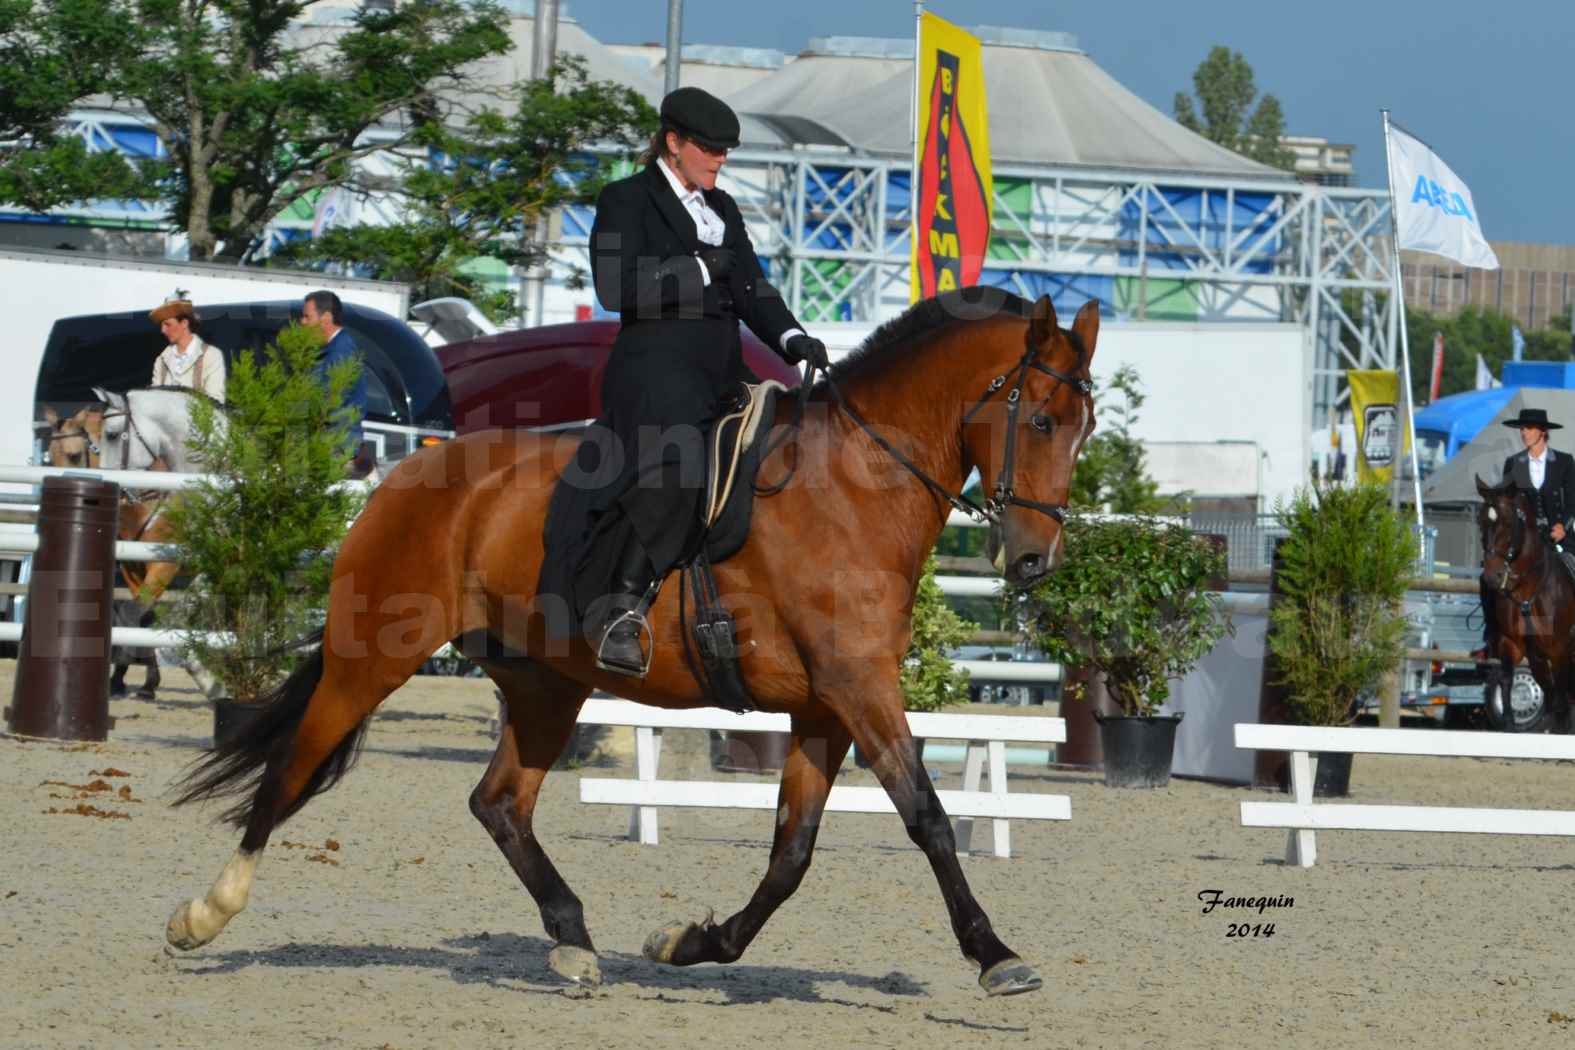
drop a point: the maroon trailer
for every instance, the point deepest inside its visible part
(551, 376)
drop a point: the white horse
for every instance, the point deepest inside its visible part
(141, 426)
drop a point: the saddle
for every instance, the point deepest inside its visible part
(734, 449)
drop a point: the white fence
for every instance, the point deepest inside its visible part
(987, 735)
(1304, 816)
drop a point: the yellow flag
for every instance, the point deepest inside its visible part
(951, 184)
(1381, 435)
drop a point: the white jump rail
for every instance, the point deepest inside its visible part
(988, 736)
(1303, 817)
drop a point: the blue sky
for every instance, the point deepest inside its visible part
(1489, 87)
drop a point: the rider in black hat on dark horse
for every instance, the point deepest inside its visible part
(669, 252)
(1548, 477)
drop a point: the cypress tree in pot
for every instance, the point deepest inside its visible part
(258, 539)
(1338, 625)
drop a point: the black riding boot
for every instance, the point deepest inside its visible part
(620, 650)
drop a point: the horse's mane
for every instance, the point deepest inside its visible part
(893, 340)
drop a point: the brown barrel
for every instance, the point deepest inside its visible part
(62, 672)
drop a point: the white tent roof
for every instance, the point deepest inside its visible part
(1049, 103)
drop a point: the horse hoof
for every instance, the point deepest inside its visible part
(661, 945)
(117, 692)
(1010, 977)
(179, 932)
(575, 965)
(147, 694)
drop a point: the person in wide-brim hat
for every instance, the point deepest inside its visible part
(1547, 477)
(188, 360)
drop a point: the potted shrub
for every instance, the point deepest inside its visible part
(257, 540)
(1338, 623)
(1131, 603)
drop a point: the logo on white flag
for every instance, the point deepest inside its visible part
(1434, 211)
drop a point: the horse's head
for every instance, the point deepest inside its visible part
(1026, 466)
(75, 441)
(123, 447)
(1507, 522)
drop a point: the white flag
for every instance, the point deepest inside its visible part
(1433, 208)
(1485, 380)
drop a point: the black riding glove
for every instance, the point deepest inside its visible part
(807, 348)
(718, 262)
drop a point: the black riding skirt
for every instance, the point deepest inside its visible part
(641, 467)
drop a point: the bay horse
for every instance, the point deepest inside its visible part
(1535, 596)
(449, 547)
(76, 442)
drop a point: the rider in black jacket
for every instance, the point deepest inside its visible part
(1548, 477)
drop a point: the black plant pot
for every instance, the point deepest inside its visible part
(1333, 779)
(1138, 749)
(233, 719)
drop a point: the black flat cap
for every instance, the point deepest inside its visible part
(702, 117)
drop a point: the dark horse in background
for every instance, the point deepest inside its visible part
(450, 547)
(1535, 595)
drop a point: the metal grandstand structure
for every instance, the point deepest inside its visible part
(834, 233)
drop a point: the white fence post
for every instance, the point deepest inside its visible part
(1301, 848)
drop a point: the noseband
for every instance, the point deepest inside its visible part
(1004, 495)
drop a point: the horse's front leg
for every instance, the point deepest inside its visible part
(816, 751)
(880, 729)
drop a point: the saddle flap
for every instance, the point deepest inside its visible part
(731, 438)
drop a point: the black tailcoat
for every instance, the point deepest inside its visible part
(674, 362)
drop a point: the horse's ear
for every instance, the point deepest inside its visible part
(1042, 324)
(1086, 326)
(51, 416)
(1483, 489)
(104, 396)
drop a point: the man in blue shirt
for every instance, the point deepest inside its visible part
(324, 311)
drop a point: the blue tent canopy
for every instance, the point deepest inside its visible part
(1461, 417)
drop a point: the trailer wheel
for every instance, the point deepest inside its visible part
(1527, 702)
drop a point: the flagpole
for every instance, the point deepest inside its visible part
(1405, 342)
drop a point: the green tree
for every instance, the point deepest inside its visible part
(1475, 330)
(253, 538)
(256, 108)
(1111, 474)
(52, 56)
(1226, 91)
(929, 681)
(1131, 601)
(1339, 625)
(497, 174)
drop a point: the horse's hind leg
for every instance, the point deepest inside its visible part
(540, 708)
(308, 738)
(815, 754)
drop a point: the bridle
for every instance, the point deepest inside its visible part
(131, 431)
(82, 435)
(1004, 495)
(1511, 554)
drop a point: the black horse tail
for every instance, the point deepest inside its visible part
(241, 765)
